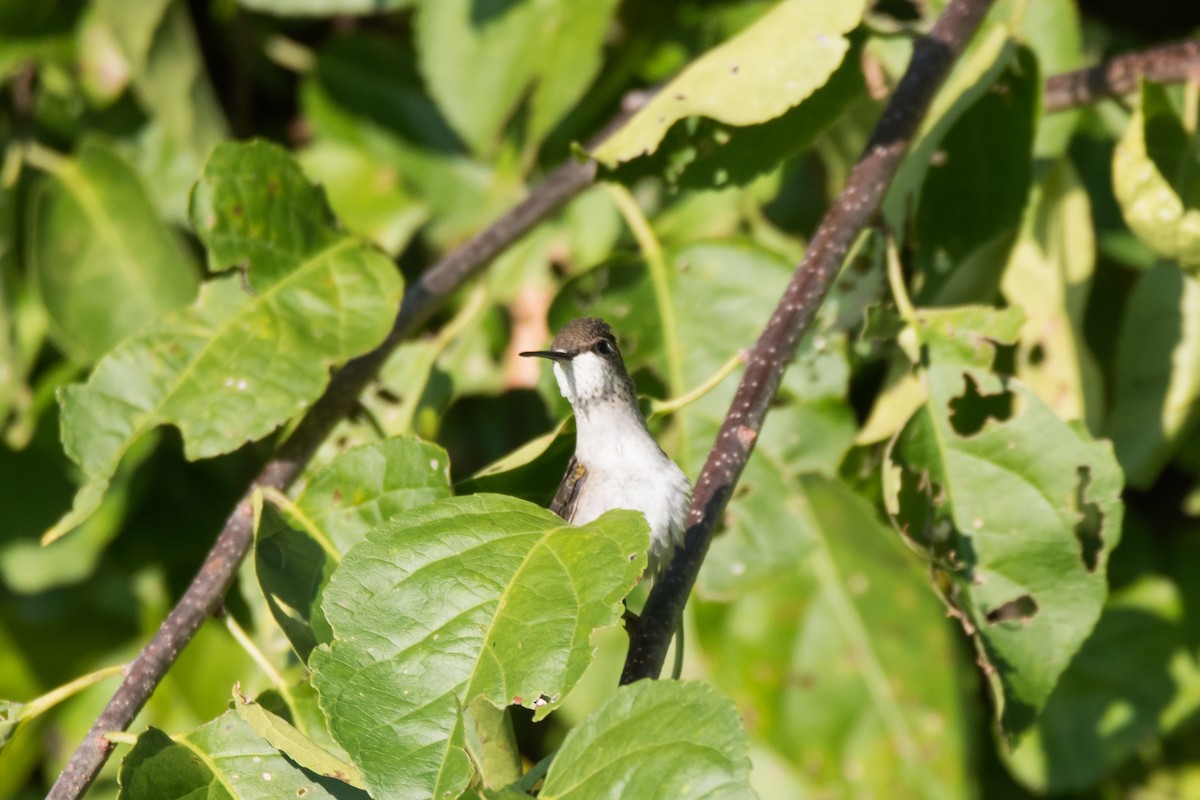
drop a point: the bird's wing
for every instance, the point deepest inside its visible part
(567, 497)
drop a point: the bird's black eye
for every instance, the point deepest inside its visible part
(604, 348)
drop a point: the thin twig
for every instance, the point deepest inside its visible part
(1171, 63)
(857, 204)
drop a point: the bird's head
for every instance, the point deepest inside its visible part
(587, 364)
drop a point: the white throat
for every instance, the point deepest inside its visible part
(610, 430)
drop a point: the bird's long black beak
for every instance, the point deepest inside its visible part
(553, 355)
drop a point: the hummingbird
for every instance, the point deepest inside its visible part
(617, 463)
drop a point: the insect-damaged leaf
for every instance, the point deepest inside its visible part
(1018, 509)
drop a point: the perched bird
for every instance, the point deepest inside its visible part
(617, 464)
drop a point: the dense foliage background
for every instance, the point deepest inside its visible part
(961, 561)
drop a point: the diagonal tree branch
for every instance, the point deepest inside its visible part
(1120, 75)
(420, 302)
(857, 204)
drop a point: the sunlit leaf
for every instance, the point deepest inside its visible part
(473, 597)
(454, 37)
(168, 77)
(703, 153)
(297, 547)
(223, 759)
(370, 201)
(298, 747)
(754, 77)
(256, 346)
(1049, 275)
(396, 125)
(104, 263)
(1018, 510)
(1134, 679)
(654, 740)
(1157, 372)
(1156, 178)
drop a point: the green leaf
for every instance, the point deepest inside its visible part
(990, 52)
(103, 261)
(482, 596)
(1018, 509)
(103, 68)
(654, 739)
(951, 220)
(846, 661)
(454, 37)
(256, 347)
(1049, 276)
(397, 126)
(295, 745)
(1134, 680)
(756, 76)
(10, 718)
(1053, 30)
(167, 71)
(1157, 373)
(704, 154)
(1156, 179)
(370, 201)
(223, 759)
(36, 31)
(297, 548)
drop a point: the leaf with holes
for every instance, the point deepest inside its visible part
(1136, 679)
(471, 597)
(256, 347)
(1016, 507)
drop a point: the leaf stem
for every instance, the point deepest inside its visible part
(895, 276)
(40, 705)
(659, 408)
(656, 265)
(41, 157)
(263, 663)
